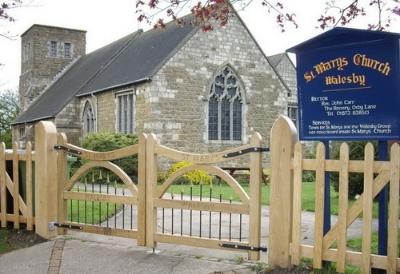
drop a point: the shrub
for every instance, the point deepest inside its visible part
(309, 153)
(308, 176)
(103, 142)
(195, 177)
(6, 137)
(242, 179)
(356, 180)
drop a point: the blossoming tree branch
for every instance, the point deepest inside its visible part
(380, 13)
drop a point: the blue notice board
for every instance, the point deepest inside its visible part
(349, 86)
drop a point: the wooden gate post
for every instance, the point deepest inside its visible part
(3, 186)
(151, 184)
(283, 139)
(45, 179)
(141, 203)
(255, 196)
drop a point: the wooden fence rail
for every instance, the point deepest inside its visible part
(288, 160)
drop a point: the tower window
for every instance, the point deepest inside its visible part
(67, 50)
(26, 52)
(53, 49)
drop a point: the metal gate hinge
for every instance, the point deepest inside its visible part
(68, 150)
(70, 226)
(244, 247)
(247, 150)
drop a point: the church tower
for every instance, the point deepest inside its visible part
(45, 52)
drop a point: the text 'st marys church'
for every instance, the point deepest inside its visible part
(197, 91)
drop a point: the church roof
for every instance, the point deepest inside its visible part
(130, 60)
(274, 60)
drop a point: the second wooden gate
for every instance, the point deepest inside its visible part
(92, 201)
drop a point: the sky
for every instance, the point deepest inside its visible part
(106, 21)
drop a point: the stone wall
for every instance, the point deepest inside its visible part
(144, 109)
(68, 121)
(106, 112)
(179, 90)
(173, 105)
(287, 71)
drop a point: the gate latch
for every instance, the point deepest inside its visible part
(244, 151)
(66, 149)
(244, 247)
(69, 226)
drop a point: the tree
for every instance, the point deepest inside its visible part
(5, 7)
(5, 16)
(9, 110)
(337, 12)
(356, 180)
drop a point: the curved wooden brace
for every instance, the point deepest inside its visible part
(213, 170)
(209, 158)
(107, 165)
(105, 156)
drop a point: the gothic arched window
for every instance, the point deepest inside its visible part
(88, 118)
(225, 104)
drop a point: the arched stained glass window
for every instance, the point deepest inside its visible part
(88, 118)
(225, 107)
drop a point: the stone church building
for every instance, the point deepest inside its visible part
(197, 91)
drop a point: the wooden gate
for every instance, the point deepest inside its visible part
(203, 215)
(97, 196)
(91, 202)
(140, 210)
(288, 164)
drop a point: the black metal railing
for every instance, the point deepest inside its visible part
(102, 214)
(200, 223)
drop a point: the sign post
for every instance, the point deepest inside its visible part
(383, 205)
(327, 193)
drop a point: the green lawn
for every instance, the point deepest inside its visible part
(308, 195)
(226, 191)
(307, 264)
(90, 212)
(356, 243)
